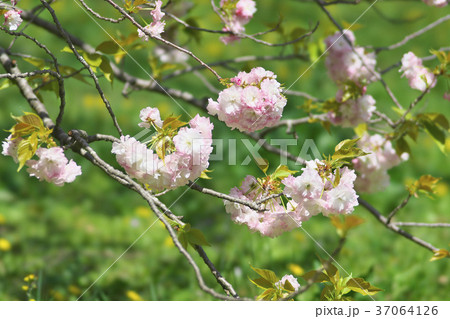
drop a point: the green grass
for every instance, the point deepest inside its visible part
(69, 236)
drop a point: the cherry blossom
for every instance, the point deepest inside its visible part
(150, 116)
(291, 279)
(13, 19)
(353, 112)
(157, 26)
(53, 166)
(314, 192)
(372, 168)
(10, 146)
(345, 64)
(186, 152)
(419, 77)
(236, 14)
(253, 101)
(271, 222)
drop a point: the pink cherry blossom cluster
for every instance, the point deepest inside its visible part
(272, 222)
(372, 168)
(157, 26)
(253, 101)
(314, 192)
(13, 19)
(436, 3)
(237, 13)
(10, 147)
(419, 77)
(52, 166)
(185, 162)
(291, 279)
(309, 194)
(345, 64)
(352, 112)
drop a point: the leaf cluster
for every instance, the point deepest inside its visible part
(268, 281)
(32, 133)
(336, 287)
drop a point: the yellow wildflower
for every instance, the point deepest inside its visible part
(5, 245)
(134, 296)
(296, 269)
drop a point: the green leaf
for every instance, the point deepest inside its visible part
(281, 172)
(318, 277)
(361, 286)
(330, 270)
(30, 119)
(442, 57)
(193, 34)
(267, 274)
(6, 83)
(436, 118)
(327, 293)
(109, 47)
(288, 286)
(173, 123)
(434, 131)
(346, 145)
(402, 147)
(205, 175)
(67, 49)
(262, 283)
(196, 237)
(25, 152)
(39, 63)
(69, 71)
(268, 294)
(105, 66)
(183, 239)
(93, 59)
(345, 151)
(361, 129)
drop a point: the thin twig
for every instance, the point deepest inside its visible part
(395, 228)
(414, 35)
(411, 224)
(396, 209)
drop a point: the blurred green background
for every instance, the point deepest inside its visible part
(69, 236)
